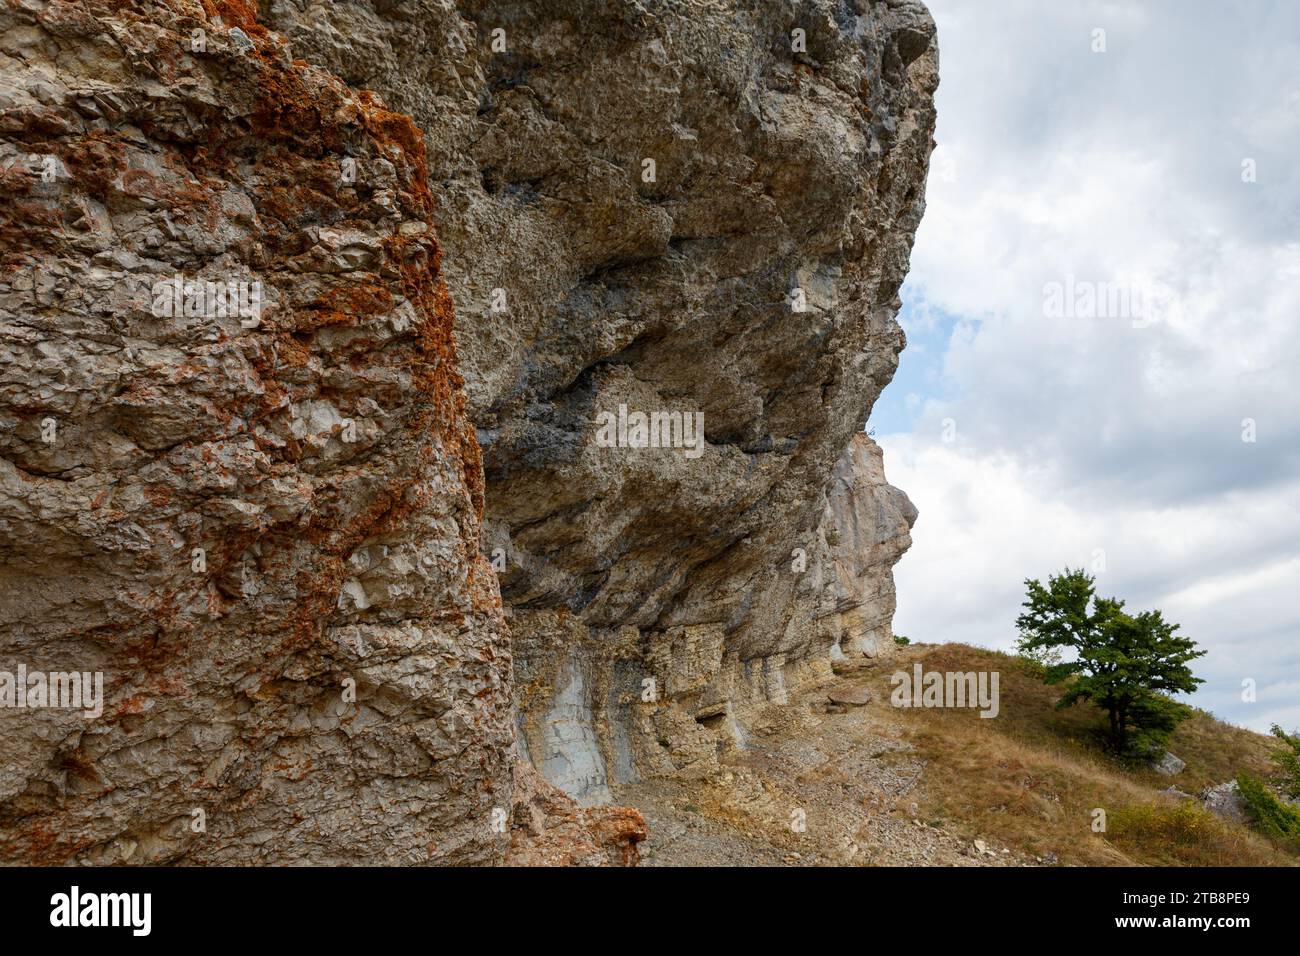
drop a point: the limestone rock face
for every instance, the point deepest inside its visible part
(865, 529)
(686, 208)
(252, 508)
(243, 392)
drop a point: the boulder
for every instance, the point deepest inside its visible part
(849, 696)
(1168, 764)
(1226, 800)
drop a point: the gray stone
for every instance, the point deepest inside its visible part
(1168, 764)
(1226, 800)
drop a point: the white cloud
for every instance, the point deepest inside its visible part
(1226, 570)
(1056, 165)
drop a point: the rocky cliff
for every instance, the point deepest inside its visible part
(272, 533)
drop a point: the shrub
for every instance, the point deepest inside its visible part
(1270, 816)
(1186, 824)
(1287, 759)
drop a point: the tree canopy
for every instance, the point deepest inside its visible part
(1127, 664)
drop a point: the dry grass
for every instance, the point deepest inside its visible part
(1033, 777)
(1186, 834)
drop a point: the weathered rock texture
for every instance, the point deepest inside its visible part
(548, 829)
(264, 533)
(699, 206)
(582, 284)
(864, 530)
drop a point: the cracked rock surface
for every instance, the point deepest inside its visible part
(259, 525)
(753, 279)
(244, 389)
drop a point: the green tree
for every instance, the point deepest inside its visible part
(1127, 664)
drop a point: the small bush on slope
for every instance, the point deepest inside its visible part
(1287, 758)
(1277, 820)
(1178, 834)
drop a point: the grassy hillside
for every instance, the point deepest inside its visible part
(1033, 776)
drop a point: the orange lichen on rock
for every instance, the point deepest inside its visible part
(549, 830)
(265, 527)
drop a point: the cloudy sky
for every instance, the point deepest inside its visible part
(1110, 434)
